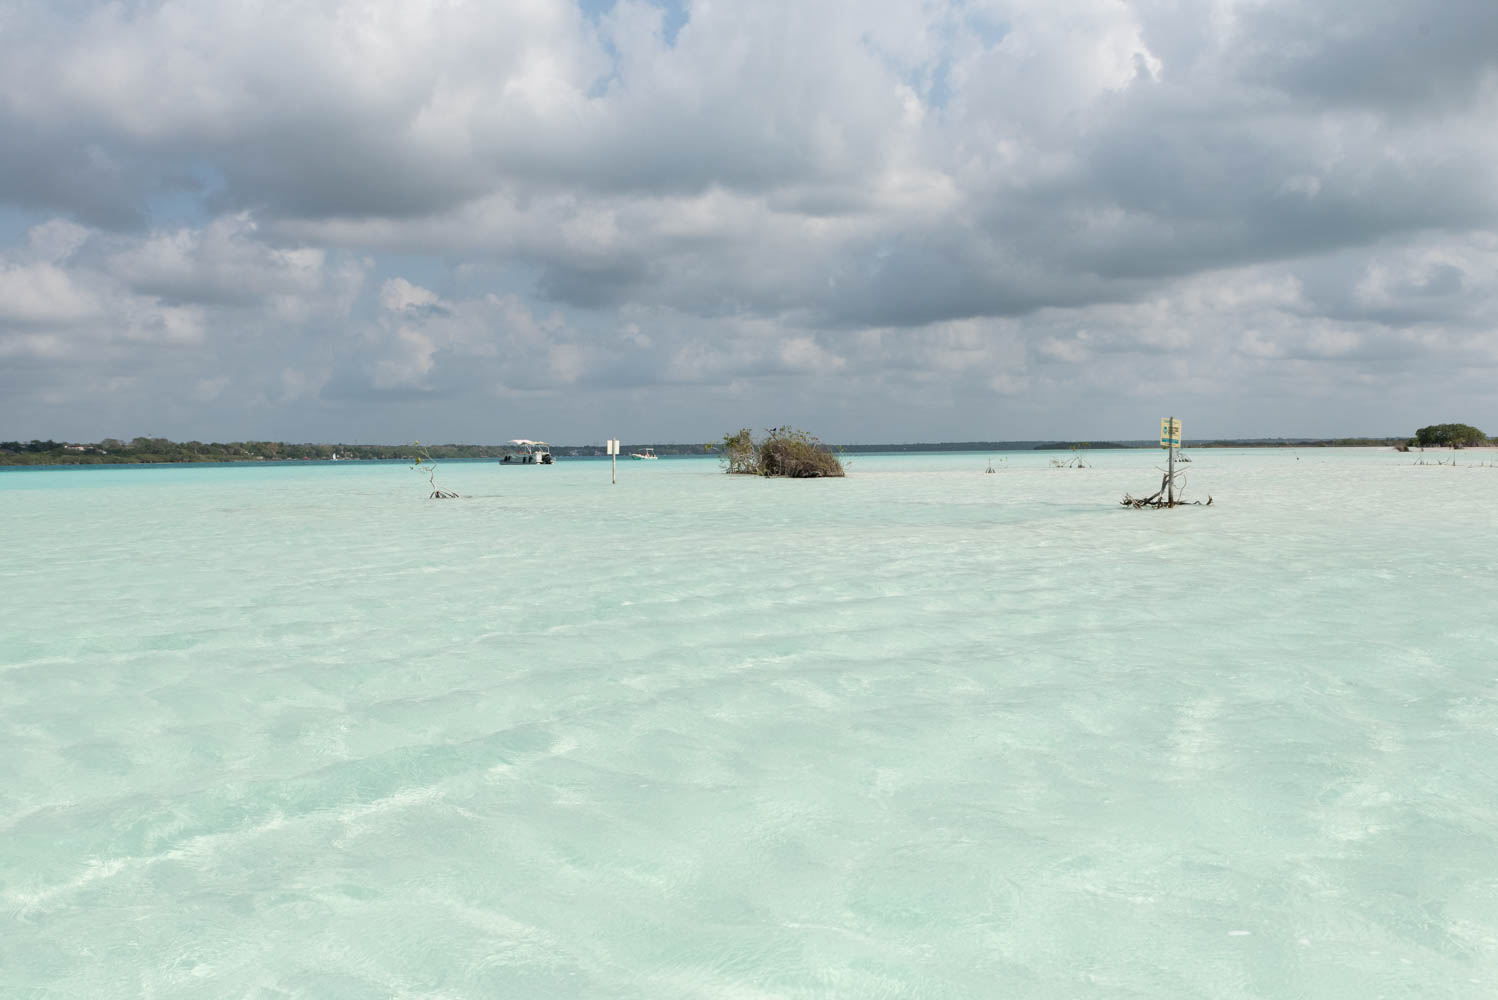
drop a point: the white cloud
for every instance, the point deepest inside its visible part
(55, 240)
(398, 294)
(44, 294)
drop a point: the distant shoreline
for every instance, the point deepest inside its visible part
(160, 451)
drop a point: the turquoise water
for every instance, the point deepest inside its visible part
(297, 731)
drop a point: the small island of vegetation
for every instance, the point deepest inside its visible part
(784, 451)
(1449, 436)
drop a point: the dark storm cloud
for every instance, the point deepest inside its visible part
(594, 284)
(1404, 58)
(44, 170)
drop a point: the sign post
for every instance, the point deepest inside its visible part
(613, 461)
(1170, 437)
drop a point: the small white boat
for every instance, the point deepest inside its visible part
(526, 452)
(648, 453)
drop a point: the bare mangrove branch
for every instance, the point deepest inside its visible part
(424, 462)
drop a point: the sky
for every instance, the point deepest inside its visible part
(476, 220)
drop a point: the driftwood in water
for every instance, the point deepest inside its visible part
(1159, 498)
(1075, 462)
(423, 462)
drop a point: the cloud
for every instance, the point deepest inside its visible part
(165, 315)
(308, 211)
(43, 294)
(221, 263)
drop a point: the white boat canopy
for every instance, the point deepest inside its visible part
(523, 441)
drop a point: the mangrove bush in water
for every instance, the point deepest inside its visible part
(1450, 436)
(784, 451)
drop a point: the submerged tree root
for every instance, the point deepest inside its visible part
(1157, 500)
(442, 495)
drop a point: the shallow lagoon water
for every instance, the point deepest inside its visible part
(297, 731)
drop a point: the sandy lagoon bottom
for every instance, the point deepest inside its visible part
(296, 731)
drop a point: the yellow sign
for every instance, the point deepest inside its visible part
(1170, 432)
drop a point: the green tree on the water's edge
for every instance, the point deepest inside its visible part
(784, 451)
(739, 454)
(1450, 436)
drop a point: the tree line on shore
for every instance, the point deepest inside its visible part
(140, 450)
(114, 451)
(143, 450)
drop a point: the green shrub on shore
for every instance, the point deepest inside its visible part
(784, 451)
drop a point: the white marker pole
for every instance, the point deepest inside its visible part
(1170, 488)
(613, 461)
